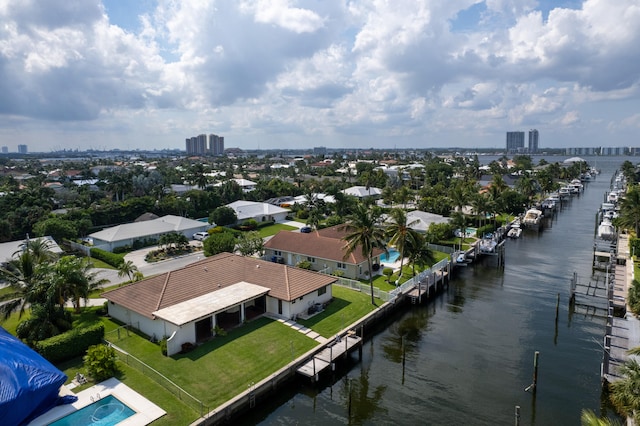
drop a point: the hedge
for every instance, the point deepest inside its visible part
(71, 344)
(112, 259)
(480, 232)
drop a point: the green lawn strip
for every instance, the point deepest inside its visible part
(222, 368)
(270, 230)
(347, 307)
(97, 263)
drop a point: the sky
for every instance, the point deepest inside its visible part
(147, 74)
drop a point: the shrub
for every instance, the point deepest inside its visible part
(163, 346)
(249, 225)
(485, 230)
(267, 223)
(122, 249)
(219, 331)
(387, 272)
(304, 264)
(100, 362)
(70, 344)
(338, 273)
(303, 214)
(112, 259)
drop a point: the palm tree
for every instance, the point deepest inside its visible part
(73, 279)
(127, 268)
(419, 253)
(26, 274)
(459, 221)
(401, 234)
(624, 393)
(363, 232)
(630, 209)
(589, 418)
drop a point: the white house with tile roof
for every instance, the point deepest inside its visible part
(188, 304)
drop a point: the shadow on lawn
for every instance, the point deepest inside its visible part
(216, 342)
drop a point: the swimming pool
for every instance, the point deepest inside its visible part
(394, 255)
(107, 411)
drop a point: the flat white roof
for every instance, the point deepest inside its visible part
(216, 301)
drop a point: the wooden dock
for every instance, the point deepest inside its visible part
(428, 286)
(329, 354)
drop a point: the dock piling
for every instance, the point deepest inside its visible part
(517, 415)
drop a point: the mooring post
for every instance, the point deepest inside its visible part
(333, 364)
(557, 306)
(517, 415)
(535, 370)
(314, 369)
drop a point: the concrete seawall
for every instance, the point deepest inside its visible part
(251, 398)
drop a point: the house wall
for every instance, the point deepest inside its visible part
(110, 245)
(294, 308)
(157, 328)
(351, 271)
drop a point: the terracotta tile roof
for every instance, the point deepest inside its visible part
(323, 244)
(213, 273)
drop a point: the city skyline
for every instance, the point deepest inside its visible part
(285, 73)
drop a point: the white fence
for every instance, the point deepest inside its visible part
(364, 288)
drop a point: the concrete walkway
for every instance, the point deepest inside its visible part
(301, 328)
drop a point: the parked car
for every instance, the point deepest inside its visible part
(199, 236)
(305, 229)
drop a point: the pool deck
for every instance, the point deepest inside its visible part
(146, 411)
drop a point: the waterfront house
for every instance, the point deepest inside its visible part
(323, 249)
(187, 305)
(128, 233)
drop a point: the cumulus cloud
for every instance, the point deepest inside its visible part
(361, 69)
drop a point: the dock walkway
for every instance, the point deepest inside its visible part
(327, 357)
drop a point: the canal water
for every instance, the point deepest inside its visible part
(468, 353)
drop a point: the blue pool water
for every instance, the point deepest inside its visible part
(393, 256)
(108, 411)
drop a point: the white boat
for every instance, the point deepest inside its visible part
(487, 245)
(514, 232)
(613, 197)
(564, 192)
(532, 218)
(606, 230)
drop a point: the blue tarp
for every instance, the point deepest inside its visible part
(29, 384)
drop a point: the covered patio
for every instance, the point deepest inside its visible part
(226, 308)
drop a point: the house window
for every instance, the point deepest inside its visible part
(277, 252)
(311, 259)
(342, 266)
(322, 290)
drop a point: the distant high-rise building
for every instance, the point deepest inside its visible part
(216, 144)
(197, 145)
(5, 149)
(22, 149)
(319, 150)
(515, 141)
(533, 141)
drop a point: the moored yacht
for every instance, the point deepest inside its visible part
(532, 218)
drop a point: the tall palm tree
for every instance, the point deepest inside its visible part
(630, 209)
(363, 232)
(459, 221)
(419, 253)
(401, 234)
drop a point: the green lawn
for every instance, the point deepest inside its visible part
(347, 307)
(97, 263)
(223, 367)
(270, 230)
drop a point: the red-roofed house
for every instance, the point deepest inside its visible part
(224, 290)
(324, 249)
